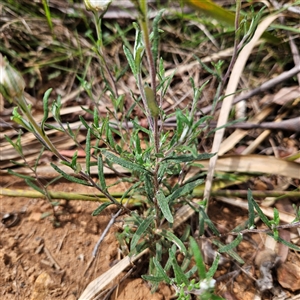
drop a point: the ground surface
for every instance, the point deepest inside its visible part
(39, 261)
(25, 251)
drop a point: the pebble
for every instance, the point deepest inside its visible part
(41, 287)
(35, 217)
(288, 275)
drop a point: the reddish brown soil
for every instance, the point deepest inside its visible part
(28, 273)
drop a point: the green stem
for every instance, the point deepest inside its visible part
(143, 20)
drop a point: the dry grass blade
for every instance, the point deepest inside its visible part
(102, 281)
(256, 164)
(231, 89)
(239, 134)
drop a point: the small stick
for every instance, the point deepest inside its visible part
(110, 223)
(52, 260)
(95, 250)
(61, 242)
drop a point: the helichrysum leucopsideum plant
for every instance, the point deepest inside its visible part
(165, 155)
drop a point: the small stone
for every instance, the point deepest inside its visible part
(41, 287)
(77, 209)
(35, 217)
(289, 276)
(226, 210)
(63, 202)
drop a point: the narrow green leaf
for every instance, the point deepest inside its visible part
(232, 245)
(101, 173)
(212, 270)
(56, 106)
(186, 233)
(232, 253)
(83, 121)
(88, 152)
(45, 107)
(154, 279)
(14, 145)
(132, 188)
(183, 190)
(191, 272)
(99, 209)
(174, 239)
(38, 158)
(122, 162)
(261, 214)
(109, 136)
(139, 51)
(158, 251)
(141, 128)
(138, 148)
(276, 216)
(140, 231)
(164, 206)
(284, 242)
(251, 210)
(186, 263)
(69, 177)
(11, 172)
(155, 42)
(198, 258)
(161, 69)
(130, 60)
(168, 264)
(208, 221)
(188, 157)
(161, 271)
(179, 274)
(19, 164)
(34, 186)
(149, 187)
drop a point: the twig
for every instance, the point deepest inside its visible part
(51, 258)
(95, 250)
(110, 223)
(265, 86)
(61, 242)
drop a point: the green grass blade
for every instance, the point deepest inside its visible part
(48, 14)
